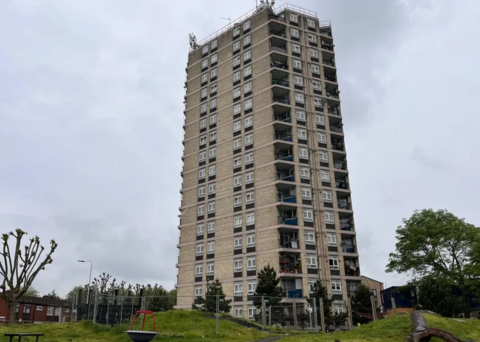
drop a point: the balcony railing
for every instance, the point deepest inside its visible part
(334, 111)
(339, 164)
(346, 224)
(293, 294)
(278, 64)
(285, 177)
(278, 33)
(286, 198)
(285, 117)
(349, 249)
(282, 49)
(327, 46)
(283, 136)
(288, 220)
(327, 62)
(326, 33)
(338, 145)
(342, 205)
(283, 82)
(285, 100)
(341, 184)
(337, 128)
(331, 78)
(284, 155)
(333, 95)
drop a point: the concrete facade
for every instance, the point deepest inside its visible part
(265, 178)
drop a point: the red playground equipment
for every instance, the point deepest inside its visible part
(141, 335)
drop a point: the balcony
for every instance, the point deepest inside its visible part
(341, 183)
(340, 164)
(290, 263)
(285, 174)
(287, 195)
(329, 76)
(338, 144)
(351, 266)
(334, 110)
(346, 223)
(281, 99)
(288, 217)
(288, 239)
(279, 61)
(329, 62)
(281, 82)
(278, 44)
(342, 203)
(338, 127)
(279, 33)
(327, 45)
(292, 288)
(282, 117)
(348, 245)
(285, 135)
(285, 154)
(277, 29)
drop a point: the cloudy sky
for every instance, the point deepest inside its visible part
(91, 123)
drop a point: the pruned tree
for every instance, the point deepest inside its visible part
(437, 243)
(20, 268)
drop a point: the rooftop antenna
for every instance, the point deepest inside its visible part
(229, 20)
(192, 40)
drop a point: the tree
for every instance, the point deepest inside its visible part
(32, 292)
(20, 268)
(71, 295)
(437, 243)
(362, 304)
(209, 303)
(268, 286)
(330, 317)
(52, 295)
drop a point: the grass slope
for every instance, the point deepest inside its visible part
(193, 325)
(396, 329)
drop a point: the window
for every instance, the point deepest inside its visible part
(211, 226)
(303, 153)
(304, 173)
(246, 25)
(248, 104)
(337, 309)
(251, 240)
(213, 136)
(213, 45)
(294, 33)
(205, 49)
(50, 311)
(238, 265)
(249, 177)
(327, 196)
(202, 156)
(250, 197)
(201, 191)
(201, 174)
(315, 69)
(252, 311)
(318, 102)
(238, 311)
(329, 217)
(237, 143)
(297, 80)
(213, 73)
(200, 249)
(248, 139)
(203, 108)
(236, 76)
(210, 267)
(251, 288)
(247, 87)
(238, 289)
(320, 120)
(236, 31)
(203, 123)
(203, 139)
(39, 308)
(203, 93)
(201, 210)
(296, 48)
(302, 134)
(251, 264)
(309, 238)
(312, 285)
(325, 176)
(250, 219)
(333, 263)
(205, 63)
(294, 17)
(299, 98)
(237, 243)
(297, 64)
(311, 23)
(332, 240)
(199, 270)
(237, 92)
(237, 162)
(306, 193)
(311, 261)
(237, 181)
(204, 78)
(237, 109)
(26, 309)
(236, 46)
(313, 53)
(198, 291)
(213, 103)
(247, 71)
(312, 38)
(211, 188)
(308, 215)
(248, 121)
(322, 138)
(211, 207)
(323, 156)
(236, 61)
(237, 201)
(300, 114)
(237, 126)
(249, 158)
(211, 248)
(213, 88)
(247, 40)
(336, 287)
(317, 85)
(237, 221)
(212, 153)
(212, 170)
(200, 229)
(213, 59)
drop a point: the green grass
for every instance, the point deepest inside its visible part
(193, 325)
(396, 329)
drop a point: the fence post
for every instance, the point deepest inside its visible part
(270, 315)
(217, 318)
(108, 309)
(295, 323)
(394, 306)
(95, 305)
(374, 308)
(263, 313)
(322, 317)
(121, 313)
(315, 315)
(350, 319)
(131, 310)
(73, 307)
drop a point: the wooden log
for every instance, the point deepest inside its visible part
(418, 321)
(421, 332)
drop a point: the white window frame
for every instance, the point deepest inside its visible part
(213, 73)
(294, 32)
(251, 288)
(317, 85)
(251, 264)
(236, 46)
(294, 17)
(236, 76)
(335, 265)
(297, 64)
(318, 102)
(205, 49)
(199, 270)
(311, 261)
(250, 219)
(201, 173)
(321, 138)
(320, 119)
(248, 104)
(204, 78)
(302, 133)
(304, 173)
(306, 193)
(299, 97)
(201, 210)
(303, 152)
(198, 291)
(202, 156)
(307, 215)
(312, 38)
(300, 115)
(213, 88)
(329, 217)
(237, 201)
(327, 196)
(252, 311)
(332, 240)
(203, 108)
(237, 109)
(213, 103)
(249, 139)
(211, 267)
(248, 121)
(213, 44)
(250, 197)
(311, 23)
(212, 188)
(236, 61)
(296, 48)
(200, 229)
(309, 238)
(50, 311)
(315, 69)
(213, 58)
(213, 136)
(238, 289)
(199, 249)
(247, 40)
(211, 227)
(211, 207)
(238, 243)
(238, 311)
(249, 177)
(205, 63)
(237, 92)
(237, 162)
(325, 176)
(203, 123)
(203, 93)
(203, 139)
(236, 31)
(201, 191)
(212, 153)
(249, 158)
(211, 247)
(237, 221)
(323, 156)
(237, 181)
(313, 53)
(212, 170)
(237, 143)
(298, 80)
(246, 25)
(247, 87)
(238, 265)
(251, 240)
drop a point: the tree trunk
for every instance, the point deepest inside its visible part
(12, 310)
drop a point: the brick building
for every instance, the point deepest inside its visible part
(375, 286)
(265, 176)
(36, 309)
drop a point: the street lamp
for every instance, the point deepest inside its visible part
(89, 278)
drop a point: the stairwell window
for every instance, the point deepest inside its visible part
(250, 197)
(311, 261)
(238, 289)
(249, 177)
(332, 240)
(310, 238)
(249, 158)
(325, 176)
(213, 73)
(214, 58)
(303, 153)
(238, 265)
(329, 217)
(300, 114)
(211, 188)
(250, 219)
(237, 201)
(202, 156)
(199, 270)
(237, 243)
(236, 61)
(304, 173)
(211, 227)
(308, 215)
(236, 46)
(321, 138)
(297, 64)
(327, 196)
(211, 248)
(211, 268)
(237, 221)
(211, 207)
(200, 249)
(200, 229)
(247, 71)
(212, 170)
(333, 263)
(237, 181)
(251, 264)
(201, 210)
(315, 69)
(247, 40)
(248, 121)
(248, 139)
(237, 109)
(300, 98)
(248, 104)
(323, 156)
(306, 193)
(201, 174)
(251, 240)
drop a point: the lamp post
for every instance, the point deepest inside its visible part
(89, 278)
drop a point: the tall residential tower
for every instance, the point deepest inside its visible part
(265, 177)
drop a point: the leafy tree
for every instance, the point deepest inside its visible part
(19, 269)
(330, 318)
(437, 243)
(209, 303)
(32, 292)
(362, 303)
(74, 292)
(52, 295)
(268, 286)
